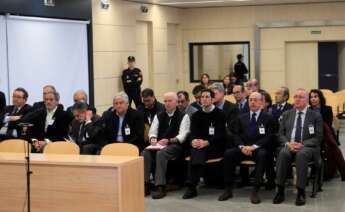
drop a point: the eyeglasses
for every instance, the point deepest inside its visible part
(17, 97)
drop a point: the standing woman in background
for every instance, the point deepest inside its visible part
(335, 158)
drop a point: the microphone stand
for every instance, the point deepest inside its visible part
(25, 127)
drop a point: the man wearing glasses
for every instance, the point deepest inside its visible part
(12, 115)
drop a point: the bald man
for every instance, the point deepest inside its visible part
(300, 135)
(253, 136)
(168, 131)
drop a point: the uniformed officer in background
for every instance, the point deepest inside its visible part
(132, 80)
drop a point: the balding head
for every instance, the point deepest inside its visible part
(170, 101)
(301, 99)
(255, 101)
(80, 96)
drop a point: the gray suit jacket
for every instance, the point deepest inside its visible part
(311, 119)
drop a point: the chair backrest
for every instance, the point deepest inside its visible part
(340, 96)
(120, 149)
(14, 145)
(230, 98)
(61, 147)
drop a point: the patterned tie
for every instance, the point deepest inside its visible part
(298, 132)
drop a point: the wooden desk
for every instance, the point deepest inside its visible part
(71, 183)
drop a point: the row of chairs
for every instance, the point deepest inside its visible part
(63, 147)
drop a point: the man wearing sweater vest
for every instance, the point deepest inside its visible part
(168, 131)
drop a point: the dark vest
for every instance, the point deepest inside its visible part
(169, 131)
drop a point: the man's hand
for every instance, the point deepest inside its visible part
(196, 143)
(88, 115)
(14, 118)
(298, 146)
(247, 150)
(203, 144)
(291, 146)
(163, 142)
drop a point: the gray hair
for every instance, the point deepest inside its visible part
(217, 86)
(122, 95)
(80, 92)
(170, 94)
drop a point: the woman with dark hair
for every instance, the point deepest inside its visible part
(229, 83)
(267, 101)
(335, 159)
(205, 81)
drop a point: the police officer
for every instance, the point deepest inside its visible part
(132, 80)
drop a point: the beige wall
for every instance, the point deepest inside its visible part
(116, 35)
(122, 30)
(239, 24)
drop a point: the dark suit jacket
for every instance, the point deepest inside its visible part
(14, 124)
(277, 113)
(91, 134)
(245, 108)
(133, 119)
(2, 102)
(55, 132)
(150, 113)
(311, 119)
(241, 132)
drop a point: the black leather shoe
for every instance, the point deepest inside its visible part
(279, 198)
(300, 199)
(190, 193)
(160, 193)
(227, 194)
(254, 197)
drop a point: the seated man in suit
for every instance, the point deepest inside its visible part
(240, 97)
(82, 131)
(150, 106)
(230, 110)
(2, 102)
(300, 136)
(12, 115)
(122, 123)
(207, 139)
(183, 103)
(169, 129)
(282, 95)
(46, 90)
(253, 133)
(197, 93)
(50, 123)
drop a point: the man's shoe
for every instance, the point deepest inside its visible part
(254, 197)
(300, 199)
(160, 193)
(227, 194)
(190, 193)
(279, 198)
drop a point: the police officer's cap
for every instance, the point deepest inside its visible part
(131, 59)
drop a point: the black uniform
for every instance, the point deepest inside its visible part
(132, 80)
(240, 71)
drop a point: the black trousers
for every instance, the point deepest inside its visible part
(134, 95)
(233, 157)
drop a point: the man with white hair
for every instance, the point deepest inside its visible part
(123, 124)
(169, 130)
(300, 135)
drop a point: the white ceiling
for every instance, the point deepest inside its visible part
(222, 3)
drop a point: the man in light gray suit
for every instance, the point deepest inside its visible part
(300, 136)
